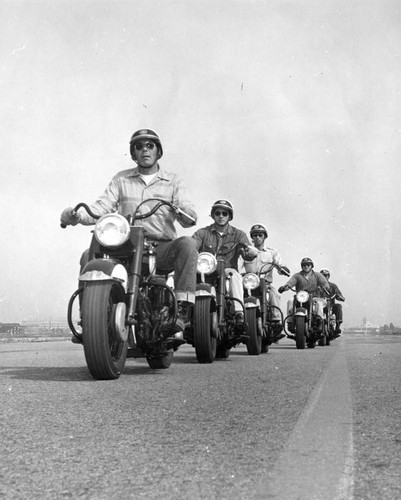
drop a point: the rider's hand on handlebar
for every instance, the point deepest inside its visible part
(284, 270)
(69, 217)
(184, 218)
(282, 289)
(248, 252)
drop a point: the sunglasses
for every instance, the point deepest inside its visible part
(306, 265)
(221, 212)
(257, 235)
(148, 145)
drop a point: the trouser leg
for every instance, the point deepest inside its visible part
(236, 288)
(275, 301)
(182, 256)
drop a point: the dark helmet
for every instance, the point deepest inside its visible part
(258, 228)
(326, 273)
(225, 204)
(141, 135)
(307, 260)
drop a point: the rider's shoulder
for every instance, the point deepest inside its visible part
(128, 172)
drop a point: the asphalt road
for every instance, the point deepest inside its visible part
(320, 423)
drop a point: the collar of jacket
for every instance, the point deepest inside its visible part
(161, 173)
(228, 230)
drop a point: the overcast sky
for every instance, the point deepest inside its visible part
(290, 109)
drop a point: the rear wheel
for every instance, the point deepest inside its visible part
(204, 321)
(254, 343)
(161, 362)
(105, 351)
(300, 332)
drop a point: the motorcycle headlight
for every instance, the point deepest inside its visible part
(207, 263)
(302, 296)
(112, 230)
(250, 281)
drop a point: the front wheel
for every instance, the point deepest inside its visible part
(161, 362)
(300, 332)
(204, 320)
(254, 343)
(105, 351)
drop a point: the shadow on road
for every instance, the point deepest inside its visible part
(49, 374)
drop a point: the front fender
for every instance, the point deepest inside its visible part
(205, 290)
(301, 311)
(105, 270)
(251, 302)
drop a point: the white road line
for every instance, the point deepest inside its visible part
(317, 461)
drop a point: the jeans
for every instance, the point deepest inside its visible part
(236, 289)
(180, 255)
(274, 300)
(338, 312)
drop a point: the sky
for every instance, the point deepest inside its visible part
(289, 109)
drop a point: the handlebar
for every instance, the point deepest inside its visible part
(282, 269)
(136, 216)
(75, 210)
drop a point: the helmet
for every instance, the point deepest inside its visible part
(326, 273)
(307, 260)
(258, 228)
(143, 134)
(223, 204)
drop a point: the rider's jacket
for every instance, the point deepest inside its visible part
(265, 256)
(309, 283)
(209, 240)
(127, 189)
(334, 290)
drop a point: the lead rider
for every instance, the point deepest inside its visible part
(127, 190)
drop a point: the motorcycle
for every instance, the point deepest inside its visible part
(330, 319)
(127, 308)
(213, 330)
(305, 326)
(259, 312)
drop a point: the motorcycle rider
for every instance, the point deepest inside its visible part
(336, 308)
(258, 233)
(312, 282)
(222, 237)
(148, 179)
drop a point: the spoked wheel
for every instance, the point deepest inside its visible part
(160, 362)
(205, 323)
(254, 343)
(105, 350)
(300, 332)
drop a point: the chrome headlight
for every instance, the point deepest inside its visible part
(302, 296)
(112, 230)
(207, 263)
(250, 281)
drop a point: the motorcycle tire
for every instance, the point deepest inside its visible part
(300, 332)
(254, 343)
(265, 346)
(161, 362)
(105, 353)
(222, 353)
(204, 343)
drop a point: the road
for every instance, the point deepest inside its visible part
(320, 423)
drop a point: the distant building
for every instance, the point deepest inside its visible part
(10, 329)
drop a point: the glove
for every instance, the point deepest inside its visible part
(282, 289)
(69, 218)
